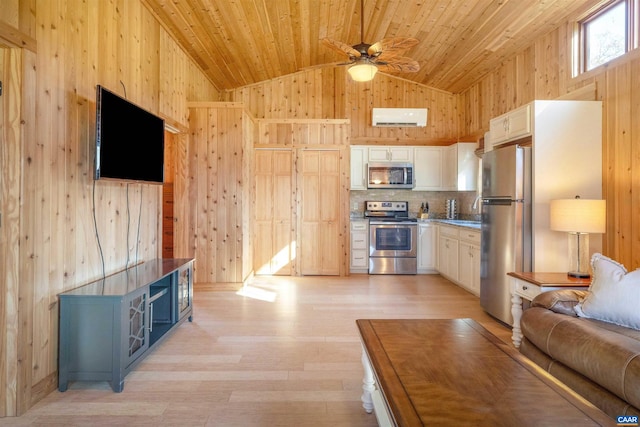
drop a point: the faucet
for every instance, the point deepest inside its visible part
(475, 202)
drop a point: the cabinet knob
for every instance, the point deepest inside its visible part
(524, 288)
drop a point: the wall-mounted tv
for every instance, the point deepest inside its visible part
(129, 140)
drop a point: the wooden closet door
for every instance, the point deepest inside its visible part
(273, 212)
(319, 197)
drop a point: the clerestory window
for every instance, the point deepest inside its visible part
(607, 33)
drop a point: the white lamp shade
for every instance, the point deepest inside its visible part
(578, 215)
(362, 72)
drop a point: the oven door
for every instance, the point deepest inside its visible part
(393, 240)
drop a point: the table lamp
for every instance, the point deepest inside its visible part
(578, 217)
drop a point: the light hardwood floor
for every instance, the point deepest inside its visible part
(282, 352)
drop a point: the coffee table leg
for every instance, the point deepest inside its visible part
(368, 384)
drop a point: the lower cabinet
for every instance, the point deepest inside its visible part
(469, 261)
(426, 248)
(448, 252)
(459, 256)
(359, 262)
(108, 326)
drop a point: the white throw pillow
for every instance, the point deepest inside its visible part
(614, 294)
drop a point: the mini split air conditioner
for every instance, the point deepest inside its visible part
(400, 117)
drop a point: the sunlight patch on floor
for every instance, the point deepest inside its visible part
(257, 293)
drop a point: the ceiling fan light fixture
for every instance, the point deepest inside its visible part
(362, 72)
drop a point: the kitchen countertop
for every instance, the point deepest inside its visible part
(476, 225)
(456, 222)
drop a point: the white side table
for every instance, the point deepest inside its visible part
(529, 284)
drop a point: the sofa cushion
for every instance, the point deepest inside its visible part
(602, 398)
(560, 301)
(603, 355)
(614, 294)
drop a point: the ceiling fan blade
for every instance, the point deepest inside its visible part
(326, 65)
(398, 65)
(391, 47)
(340, 47)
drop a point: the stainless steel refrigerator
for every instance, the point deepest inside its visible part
(506, 225)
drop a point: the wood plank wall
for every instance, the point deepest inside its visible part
(10, 107)
(543, 71)
(73, 46)
(330, 94)
(219, 157)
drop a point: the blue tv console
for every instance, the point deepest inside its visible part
(108, 326)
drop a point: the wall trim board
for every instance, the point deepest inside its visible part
(305, 121)
(13, 37)
(214, 104)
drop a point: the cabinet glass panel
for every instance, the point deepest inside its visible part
(184, 300)
(137, 324)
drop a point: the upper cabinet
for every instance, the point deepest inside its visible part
(451, 168)
(460, 167)
(391, 154)
(428, 168)
(512, 125)
(359, 156)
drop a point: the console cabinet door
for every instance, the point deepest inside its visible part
(185, 291)
(136, 324)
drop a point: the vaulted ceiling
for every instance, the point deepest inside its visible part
(242, 42)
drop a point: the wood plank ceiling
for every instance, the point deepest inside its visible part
(242, 42)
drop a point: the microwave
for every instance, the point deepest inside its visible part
(390, 175)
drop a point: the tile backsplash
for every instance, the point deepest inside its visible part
(436, 200)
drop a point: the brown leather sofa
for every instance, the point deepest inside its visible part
(598, 360)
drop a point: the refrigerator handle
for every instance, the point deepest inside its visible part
(505, 201)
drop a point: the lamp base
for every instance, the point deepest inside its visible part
(579, 255)
(578, 274)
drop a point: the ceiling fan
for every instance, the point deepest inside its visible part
(383, 55)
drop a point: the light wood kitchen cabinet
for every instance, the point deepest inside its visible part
(428, 168)
(512, 125)
(390, 154)
(448, 252)
(273, 212)
(319, 242)
(426, 248)
(469, 261)
(359, 158)
(359, 246)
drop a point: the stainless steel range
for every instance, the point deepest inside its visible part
(392, 238)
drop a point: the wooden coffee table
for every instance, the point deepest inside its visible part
(455, 372)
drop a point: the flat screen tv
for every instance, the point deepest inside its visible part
(129, 140)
